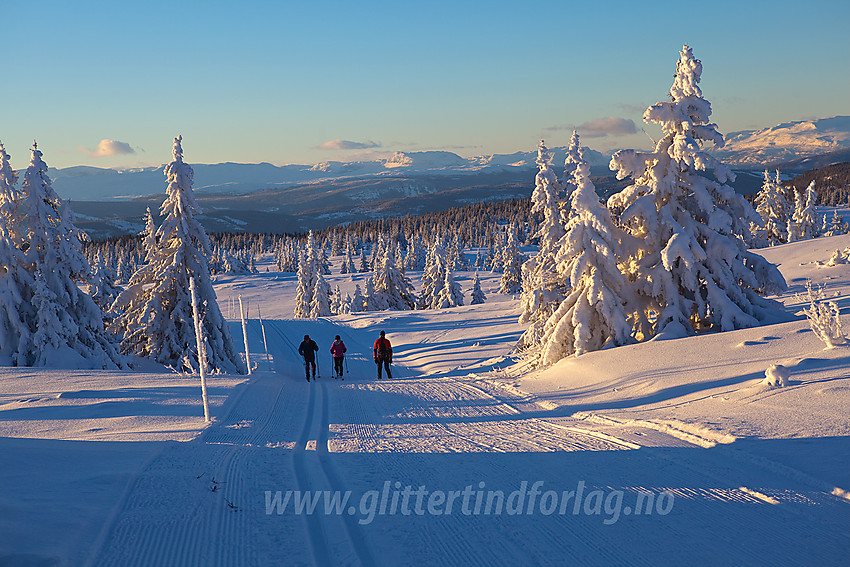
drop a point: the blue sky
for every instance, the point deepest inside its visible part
(109, 84)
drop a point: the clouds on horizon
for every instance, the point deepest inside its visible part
(634, 108)
(602, 127)
(108, 148)
(347, 145)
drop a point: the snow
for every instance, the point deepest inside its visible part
(117, 468)
(776, 375)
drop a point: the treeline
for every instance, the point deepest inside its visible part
(832, 182)
(477, 225)
(473, 225)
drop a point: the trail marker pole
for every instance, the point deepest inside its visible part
(245, 336)
(202, 350)
(263, 327)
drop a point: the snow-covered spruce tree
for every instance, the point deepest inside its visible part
(308, 272)
(570, 163)
(490, 260)
(369, 300)
(400, 257)
(345, 305)
(101, 285)
(156, 321)
(455, 256)
(320, 306)
(336, 301)
(343, 269)
(122, 272)
(433, 275)
(10, 199)
(66, 326)
(791, 230)
(835, 226)
(322, 262)
(304, 291)
(379, 252)
(774, 209)
(14, 279)
(358, 302)
(478, 296)
(315, 257)
(151, 251)
(416, 255)
(512, 260)
(805, 216)
(364, 264)
(336, 244)
(691, 268)
(288, 256)
(350, 268)
(450, 294)
(542, 291)
(392, 288)
(594, 313)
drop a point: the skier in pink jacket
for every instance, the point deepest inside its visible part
(338, 352)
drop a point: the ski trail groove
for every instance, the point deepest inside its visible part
(315, 530)
(154, 529)
(353, 531)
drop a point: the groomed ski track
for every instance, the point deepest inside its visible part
(206, 502)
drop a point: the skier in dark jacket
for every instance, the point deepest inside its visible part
(338, 352)
(383, 354)
(308, 349)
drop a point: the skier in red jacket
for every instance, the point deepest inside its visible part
(383, 354)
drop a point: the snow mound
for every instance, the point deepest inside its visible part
(839, 257)
(776, 375)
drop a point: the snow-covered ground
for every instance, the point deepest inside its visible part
(465, 457)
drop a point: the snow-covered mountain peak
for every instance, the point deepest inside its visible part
(430, 160)
(786, 142)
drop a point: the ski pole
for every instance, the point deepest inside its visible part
(345, 359)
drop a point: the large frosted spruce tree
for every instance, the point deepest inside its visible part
(393, 289)
(541, 289)
(14, 279)
(691, 267)
(156, 321)
(594, 313)
(308, 272)
(65, 325)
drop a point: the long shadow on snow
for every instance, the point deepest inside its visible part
(132, 402)
(425, 347)
(567, 410)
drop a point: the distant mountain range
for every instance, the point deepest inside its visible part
(84, 183)
(784, 143)
(292, 198)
